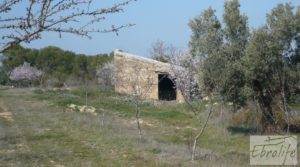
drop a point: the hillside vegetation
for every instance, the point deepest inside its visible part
(58, 66)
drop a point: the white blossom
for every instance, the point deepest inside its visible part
(106, 74)
(185, 71)
(25, 72)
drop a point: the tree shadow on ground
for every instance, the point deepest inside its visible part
(294, 128)
(241, 130)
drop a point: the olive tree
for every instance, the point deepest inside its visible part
(236, 34)
(239, 66)
(271, 62)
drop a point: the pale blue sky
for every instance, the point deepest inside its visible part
(165, 20)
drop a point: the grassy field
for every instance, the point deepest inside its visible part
(35, 130)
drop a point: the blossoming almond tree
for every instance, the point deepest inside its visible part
(25, 73)
(137, 81)
(106, 74)
(185, 70)
(140, 83)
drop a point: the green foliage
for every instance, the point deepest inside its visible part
(238, 65)
(221, 48)
(236, 33)
(259, 61)
(271, 54)
(206, 42)
(3, 76)
(164, 59)
(57, 64)
(206, 35)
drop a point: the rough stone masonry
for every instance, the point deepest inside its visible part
(144, 77)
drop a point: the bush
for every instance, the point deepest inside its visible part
(246, 117)
(249, 117)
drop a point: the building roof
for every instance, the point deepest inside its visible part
(140, 58)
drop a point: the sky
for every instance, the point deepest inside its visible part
(165, 20)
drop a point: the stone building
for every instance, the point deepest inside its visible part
(144, 77)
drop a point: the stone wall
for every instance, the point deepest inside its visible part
(138, 75)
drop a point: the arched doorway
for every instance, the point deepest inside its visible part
(166, 88)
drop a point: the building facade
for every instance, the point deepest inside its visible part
(144, 77)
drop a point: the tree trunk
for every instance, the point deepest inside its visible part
(267, 120)
(265, 102)
(137, 117)
(283, 93)
(195, 144)
(86, 91)
(201, 130)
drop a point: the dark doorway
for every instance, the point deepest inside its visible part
(166, 88)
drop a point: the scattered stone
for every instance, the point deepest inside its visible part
(72, 106)
(7, 116)
(144, 123)
(206, 98)
(189, 127)
(82, 109)
(61, 89)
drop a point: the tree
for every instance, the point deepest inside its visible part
(240, 67)
(268, 62)
(206, 35)
(186, 72)
(3, 74)
(259, 72)
(221, 49)
(236, 31)
(24, 21)
(137, 81)
(106, 74)
(81, 68)
(25, 73)
(160, 51)
(236, 34)
(206, 43)
(140, 83)
(59, 66)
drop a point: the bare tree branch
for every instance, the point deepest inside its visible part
(78, 17)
